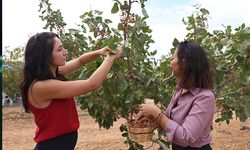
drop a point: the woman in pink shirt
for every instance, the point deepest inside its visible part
(49, 96)
(188, 118)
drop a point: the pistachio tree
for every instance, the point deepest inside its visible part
(138, 75)
(229, 54)
(131, 79)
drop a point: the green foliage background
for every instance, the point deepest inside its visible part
(140, 75)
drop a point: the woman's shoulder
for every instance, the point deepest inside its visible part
(40, 87)
(206, 93)
(47, 82)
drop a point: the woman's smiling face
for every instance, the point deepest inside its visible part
(175, 64)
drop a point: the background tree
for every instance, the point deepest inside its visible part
(1, 70)
(12, 71)
(229, 53)
(131, 80)
(139, 75)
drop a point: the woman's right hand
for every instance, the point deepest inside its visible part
(118, 55)
(149, 110)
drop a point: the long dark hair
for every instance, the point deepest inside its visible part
(38, 54)
(194, 66)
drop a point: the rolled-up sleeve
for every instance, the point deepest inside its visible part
(199, 117)
(170, 129)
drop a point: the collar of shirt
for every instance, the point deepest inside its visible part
(193, 91)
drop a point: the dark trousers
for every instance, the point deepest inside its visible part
(178, 147)
(63, 142)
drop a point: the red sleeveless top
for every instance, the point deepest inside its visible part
(59, 118)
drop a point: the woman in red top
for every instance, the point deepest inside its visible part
(49, 96)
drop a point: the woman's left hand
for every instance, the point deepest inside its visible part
(104, 51)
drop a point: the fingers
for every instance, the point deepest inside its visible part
(120, 49)
(104, 51)
(120, 52)
(141, 107)
(139, 117)
(141, 113)
(147, 109)
(107, 49)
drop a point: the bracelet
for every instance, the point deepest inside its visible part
(158, 116)
(159, 122)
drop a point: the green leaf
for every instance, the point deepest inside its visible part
(125, 134)
(204, 11)
(98, 12)
(200, 32)
(144, 12)
(98, 19)
(243, 26)
(148, 82)
(228, 30)
(126, 51)
(121, 85)
(191, 20)
(224, 41)
(154, 53)
(107, 21)
(175, 42)
(115, 8)
(120, 26)
(126, 43)
(113, 47)
(219, 67)
(73, 31)
(246, 105)
(123, 128)
(218, 120)
(142, 4)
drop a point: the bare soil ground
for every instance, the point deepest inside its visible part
(18, 132)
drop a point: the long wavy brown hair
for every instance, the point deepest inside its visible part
(195, 69)
(37, 57)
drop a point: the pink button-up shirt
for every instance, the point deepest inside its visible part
(191, 116)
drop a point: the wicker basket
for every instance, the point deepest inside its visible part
(140, 132)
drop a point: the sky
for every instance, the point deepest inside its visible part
(21, 18)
